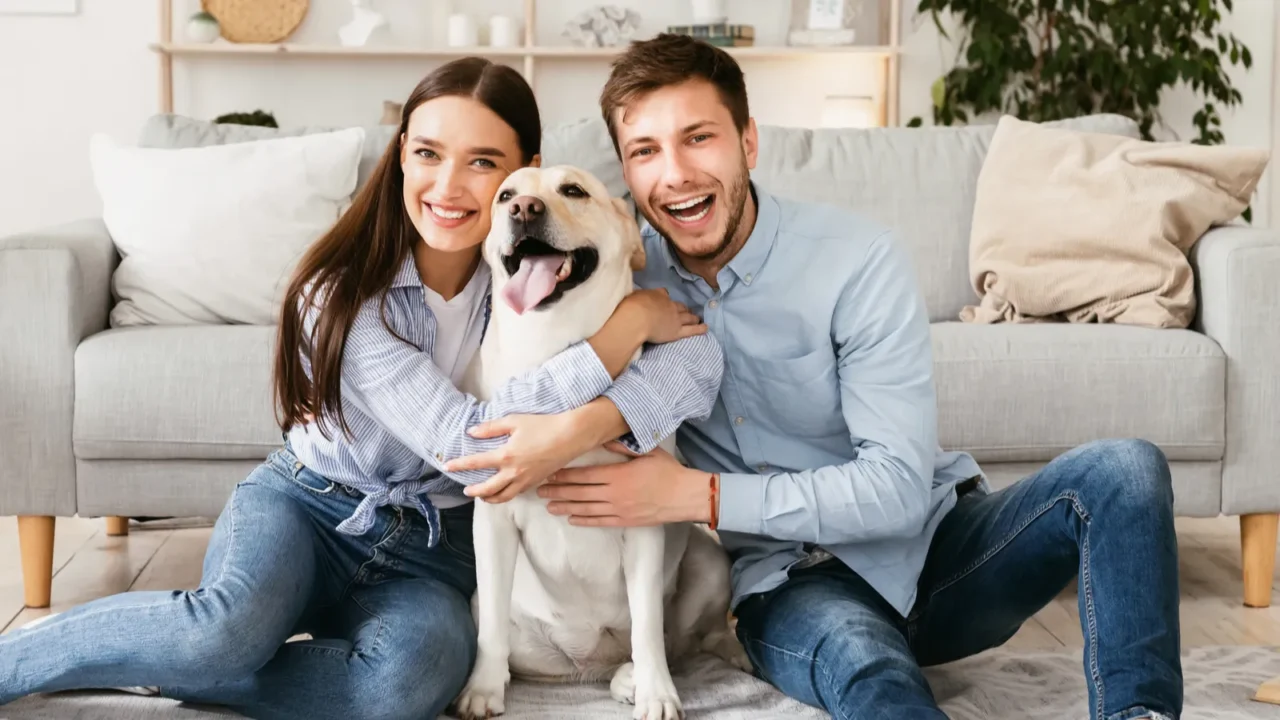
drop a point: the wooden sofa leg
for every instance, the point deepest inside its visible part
(117, 526)
(35, 538)
(1258, 554)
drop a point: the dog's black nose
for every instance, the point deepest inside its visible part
(527, 209)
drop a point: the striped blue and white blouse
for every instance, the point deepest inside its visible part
(407, 418)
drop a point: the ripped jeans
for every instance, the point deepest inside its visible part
(1102, 512)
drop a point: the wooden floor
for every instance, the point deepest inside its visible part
(168, 555)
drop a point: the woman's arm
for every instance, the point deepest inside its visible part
(668, 385)
(402, 389)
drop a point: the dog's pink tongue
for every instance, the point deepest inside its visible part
(535, 280)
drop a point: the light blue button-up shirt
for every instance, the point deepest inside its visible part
(825, 427)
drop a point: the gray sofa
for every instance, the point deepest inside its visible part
(163, 421)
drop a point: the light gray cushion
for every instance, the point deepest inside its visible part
(1197, 485)
(584, 143)
(921, 182)
(176, 392)
(1027, 392)
(158, 488)
(178, 131)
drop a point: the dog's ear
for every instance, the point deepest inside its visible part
(638, 258)
(622, 207)
(632, 231)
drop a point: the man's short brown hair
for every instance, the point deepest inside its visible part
(670, 59)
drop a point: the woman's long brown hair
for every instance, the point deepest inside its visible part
(357, 259)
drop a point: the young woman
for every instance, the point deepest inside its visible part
(354, 532)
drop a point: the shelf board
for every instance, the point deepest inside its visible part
(563, 52)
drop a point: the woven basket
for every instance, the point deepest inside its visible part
(257, 21)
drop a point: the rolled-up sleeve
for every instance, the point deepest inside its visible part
(667, 385)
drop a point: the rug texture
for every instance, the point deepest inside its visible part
(995, 685)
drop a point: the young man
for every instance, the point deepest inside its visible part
(861, 550)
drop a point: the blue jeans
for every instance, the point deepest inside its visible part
(390, 617)
(1103, 511)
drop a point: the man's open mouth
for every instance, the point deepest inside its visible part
(541, 274)
(690, 210)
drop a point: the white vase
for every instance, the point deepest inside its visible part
(202, 30)
(365, 25)
(463, 31)
(504, 31)
(709, 12)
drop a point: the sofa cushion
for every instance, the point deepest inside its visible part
(1028, 392)
(919, 181)
(177, 392)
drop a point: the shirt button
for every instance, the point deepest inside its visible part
(657, 435)
(763, 467)
(713, 303)
(739, 420)
(747, 279)
(440, 457)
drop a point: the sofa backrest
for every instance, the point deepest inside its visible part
(919, 181)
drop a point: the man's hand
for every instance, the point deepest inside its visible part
(537, 446)
(652, 489)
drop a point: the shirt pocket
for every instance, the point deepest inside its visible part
(794, 396)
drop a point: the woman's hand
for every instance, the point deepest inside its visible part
(537, 446)
(664, 319)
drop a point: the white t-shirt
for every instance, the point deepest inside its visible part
(459, 324)
(459, 328)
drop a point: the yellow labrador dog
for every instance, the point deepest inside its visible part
(556, 601)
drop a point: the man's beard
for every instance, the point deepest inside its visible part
(735, 205)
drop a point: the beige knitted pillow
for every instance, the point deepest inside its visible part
(1086, 227)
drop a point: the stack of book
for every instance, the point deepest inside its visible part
(722, 34)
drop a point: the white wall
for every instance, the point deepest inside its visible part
(92, 72)
(61, 79)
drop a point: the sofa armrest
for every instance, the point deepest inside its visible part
(1238, 292)
(55, 290)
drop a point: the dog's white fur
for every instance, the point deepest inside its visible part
(556, 601)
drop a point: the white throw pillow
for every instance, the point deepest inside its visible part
(210, 235)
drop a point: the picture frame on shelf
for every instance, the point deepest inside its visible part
(817, 23)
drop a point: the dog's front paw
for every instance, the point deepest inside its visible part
(483, 696)
(623, 685)
(656, 698)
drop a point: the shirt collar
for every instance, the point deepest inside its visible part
(407, 275)
(747, 263)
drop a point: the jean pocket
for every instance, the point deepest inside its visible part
(311, 481)
(457, 535)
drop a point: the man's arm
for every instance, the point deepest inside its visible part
(885, 362)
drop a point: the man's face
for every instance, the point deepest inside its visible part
(687, 166)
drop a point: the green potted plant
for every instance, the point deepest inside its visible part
(1045, 60)
(257, 117)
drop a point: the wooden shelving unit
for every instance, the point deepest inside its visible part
(166, 49)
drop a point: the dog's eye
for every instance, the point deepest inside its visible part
(573, 191)
(505, 195)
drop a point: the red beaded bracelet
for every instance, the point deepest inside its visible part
(714, 482)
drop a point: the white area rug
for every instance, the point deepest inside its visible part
(993, 686)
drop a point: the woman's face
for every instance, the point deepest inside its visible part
(454, 154)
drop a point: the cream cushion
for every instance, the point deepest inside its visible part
(1091, 227)
(210, 235)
